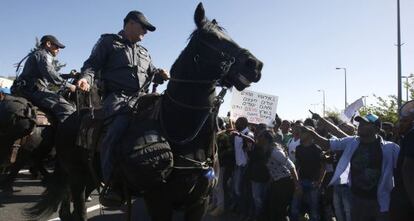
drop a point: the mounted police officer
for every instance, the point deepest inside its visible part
(39, 74)
(124, 69)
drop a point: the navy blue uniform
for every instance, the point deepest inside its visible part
(123, 68)
(39, 73)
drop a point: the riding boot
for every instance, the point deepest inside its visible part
(111, 195)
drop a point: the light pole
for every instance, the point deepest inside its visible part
(323, 91)
(406, 84)
(399, 97)
(346, 103)
(314, 106)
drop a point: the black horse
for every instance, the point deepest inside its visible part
(20, 127)
(187, 118)
(18, 120)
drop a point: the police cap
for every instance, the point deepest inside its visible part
(52, 40)
(139, 17)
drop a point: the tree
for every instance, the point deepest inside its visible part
(385, 108)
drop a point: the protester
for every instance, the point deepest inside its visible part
(402, 196)
(276, 129)
(241, 147)
(372, 163)
(285, 131)
(226, 161)
(258, 173)
(293, 142)
(284, 179)
(311, 170)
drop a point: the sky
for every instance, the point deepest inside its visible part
(300, 42)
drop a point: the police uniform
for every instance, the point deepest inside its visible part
(124, 68)
(38, 73)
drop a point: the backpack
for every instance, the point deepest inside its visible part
(12, 110)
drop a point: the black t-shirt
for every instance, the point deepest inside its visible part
(309, 161)
(407, 144)
(406, 150)
(366, 164)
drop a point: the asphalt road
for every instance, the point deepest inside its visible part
(27, 192)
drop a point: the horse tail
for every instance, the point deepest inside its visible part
(56, 190)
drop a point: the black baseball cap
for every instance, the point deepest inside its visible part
(52, 39)
(139, 17)
(369, 118)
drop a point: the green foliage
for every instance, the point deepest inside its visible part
(333, 113)
(385, 108)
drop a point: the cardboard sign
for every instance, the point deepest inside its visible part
(256, 107)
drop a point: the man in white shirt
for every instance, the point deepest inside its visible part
(240, 151)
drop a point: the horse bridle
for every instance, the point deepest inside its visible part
(225, 67)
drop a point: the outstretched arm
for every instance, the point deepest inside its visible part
(318, 139)
(332, 128)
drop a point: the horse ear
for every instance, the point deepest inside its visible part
(200, 15)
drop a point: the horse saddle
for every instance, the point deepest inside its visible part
(43, 119)
(92, 122)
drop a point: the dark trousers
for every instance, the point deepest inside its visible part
(115, 129)
(367, 209)
(400, 206)
(281, 195)
(52, 102)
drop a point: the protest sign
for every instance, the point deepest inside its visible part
(256, 107)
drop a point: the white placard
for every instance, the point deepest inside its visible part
(256, 107)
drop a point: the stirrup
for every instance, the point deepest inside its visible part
(110, 198)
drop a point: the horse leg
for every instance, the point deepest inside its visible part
(6, 184)
(78, 198)
(158, 207)
(196, 211)
(64, 210)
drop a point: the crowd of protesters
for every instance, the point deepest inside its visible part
(317, 169)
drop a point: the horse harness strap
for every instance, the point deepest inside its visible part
(218, 100)
(148, 139)
(16, 146)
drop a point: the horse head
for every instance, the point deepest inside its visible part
(217, 57)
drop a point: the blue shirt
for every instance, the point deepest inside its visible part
(5, 90)
(390, 153)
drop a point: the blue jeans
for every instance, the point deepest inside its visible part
(342, 198)
(238, 177)
(311, 196)
(259, 192)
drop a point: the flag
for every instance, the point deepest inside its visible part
(352, 109)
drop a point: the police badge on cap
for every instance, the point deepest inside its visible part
(139, 17)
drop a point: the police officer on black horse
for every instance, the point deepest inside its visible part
(124, 70)
(38, 74)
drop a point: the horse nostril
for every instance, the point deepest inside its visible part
(251, 63)
(254, 64)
